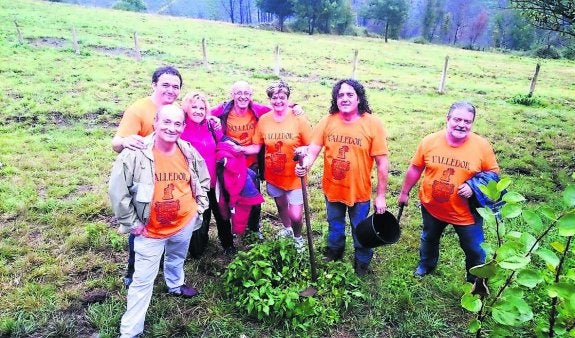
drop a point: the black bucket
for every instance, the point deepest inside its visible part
(378, 229)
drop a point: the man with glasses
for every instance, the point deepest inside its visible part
(238, 119)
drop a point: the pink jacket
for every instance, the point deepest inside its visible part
(237, 188)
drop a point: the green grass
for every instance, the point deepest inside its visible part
(60, 257)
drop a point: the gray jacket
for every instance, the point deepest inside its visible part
(131, 185)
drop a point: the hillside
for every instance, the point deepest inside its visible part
(61, 259)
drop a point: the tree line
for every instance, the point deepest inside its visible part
(504, 24)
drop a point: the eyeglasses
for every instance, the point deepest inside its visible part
(246, 93)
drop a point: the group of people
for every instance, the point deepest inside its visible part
(178, 165)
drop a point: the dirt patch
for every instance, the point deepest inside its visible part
(381, 85)
(58, 119)
(95, 296)
(47, 41)
(114, 51)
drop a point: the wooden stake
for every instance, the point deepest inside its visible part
(20, 38)
(205, 54)
(534, 80)
(441, 88)
(354, 64)
(137, 54)
(75, 41)
(277, 61)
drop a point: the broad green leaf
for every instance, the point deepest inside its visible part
(549, 213)
(558, 246)
(514, 262)
(513, 197)
(512, 311)
(514, 292)
(474, 326)
(548, 256)
(567, 225)
(569, 196)
(562, 290)
(570, 303)
(529, 277)
(503, 183)
(486, 270)
(509, 249)
(532, 219)
(490, 190)
(471, 302)
(487, 215)
(528, 241)
(510, 210)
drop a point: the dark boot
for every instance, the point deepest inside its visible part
(333, 255)
(361, 269)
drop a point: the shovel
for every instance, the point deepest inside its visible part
(309, 291)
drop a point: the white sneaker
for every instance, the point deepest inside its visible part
(285, 232)
(299, 244)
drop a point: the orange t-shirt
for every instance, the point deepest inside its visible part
(138, 119)
(280, 140)
(173, 204)
(241, 128)
(349, 150)
(446, 168)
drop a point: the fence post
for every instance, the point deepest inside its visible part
(277, 61)
(20, 38)
(137, 54)
(354, 64)
(441, 88)
(534, 80)
(75, 41)
(205, 54)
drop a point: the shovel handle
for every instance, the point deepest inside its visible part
(401, 205)
(298, 158)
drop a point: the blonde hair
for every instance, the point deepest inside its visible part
(195, 96)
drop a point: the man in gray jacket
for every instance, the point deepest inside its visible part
(158, 194)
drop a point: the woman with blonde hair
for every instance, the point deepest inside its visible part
(204, 134)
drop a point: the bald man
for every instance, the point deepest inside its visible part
(158, 193)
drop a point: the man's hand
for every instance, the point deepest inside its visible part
(380, 204)
(133, 142)
(403, 197)
(464, 190)
(140, 229)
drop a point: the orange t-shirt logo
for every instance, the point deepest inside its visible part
(278, 158)
(340, 166)
(442, 189)
(173, 203)
(167, 210)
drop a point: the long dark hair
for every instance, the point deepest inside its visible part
(363, 106)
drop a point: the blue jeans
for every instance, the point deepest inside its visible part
(336, 234)
(470, 239)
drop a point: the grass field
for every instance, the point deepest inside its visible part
(61, 260)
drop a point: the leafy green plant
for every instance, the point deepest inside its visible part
(266, 282)
(525, 100)
(527, 271)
